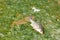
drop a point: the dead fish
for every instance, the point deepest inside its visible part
(36, 26)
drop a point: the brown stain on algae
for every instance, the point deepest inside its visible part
(21, 21)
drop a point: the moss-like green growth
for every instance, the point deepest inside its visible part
(49, 16)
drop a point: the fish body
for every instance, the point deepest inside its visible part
(36, 26)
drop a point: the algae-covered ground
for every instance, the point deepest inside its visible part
(45, 11)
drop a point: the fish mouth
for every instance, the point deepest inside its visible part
(40, 31)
